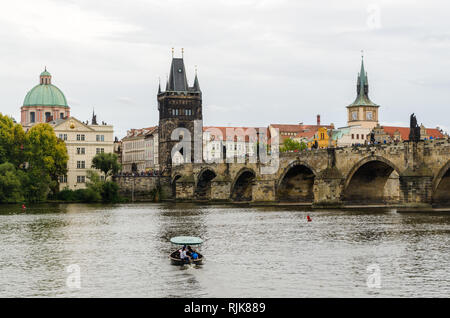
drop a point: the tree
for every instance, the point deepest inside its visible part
(107, 163)
(10, 184)
(292, 145)
(12, 138)
(46, 154)
(108, 190)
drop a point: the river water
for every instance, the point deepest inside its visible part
(122, 251)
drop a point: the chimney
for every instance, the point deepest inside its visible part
(318, 120)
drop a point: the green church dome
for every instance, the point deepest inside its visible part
(45, 94)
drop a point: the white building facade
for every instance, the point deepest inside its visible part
(140, 150)
(83, 142)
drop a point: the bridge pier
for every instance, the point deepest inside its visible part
(185, 188)
(328, 188)
(416, 189)
(220, 189)
(263, 190)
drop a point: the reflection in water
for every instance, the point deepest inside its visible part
(122, 251)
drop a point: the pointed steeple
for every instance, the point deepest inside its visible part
(362, 88)
(159, 86)
(196, 87)
(177, 76)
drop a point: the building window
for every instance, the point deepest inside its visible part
(81, 164)
(357, 136)
(369, 115)
(63, 137)
(62, 179)
(353, 136)
(81, 137)
(32, 117)
(100, 138)
(100, 150)
(61, 115)
(362, 137)
(81, 179)
(47, 116)
(81, 151)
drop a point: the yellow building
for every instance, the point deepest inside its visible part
(322, 138)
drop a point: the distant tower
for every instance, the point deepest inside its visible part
(179, 105)
(363, 111)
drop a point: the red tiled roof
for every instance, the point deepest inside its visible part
(404, 132)
(298, 128)
(223, 130)
(139, 132)
(306, 134)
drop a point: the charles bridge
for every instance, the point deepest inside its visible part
(404, 174)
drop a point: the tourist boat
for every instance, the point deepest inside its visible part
(188, 241)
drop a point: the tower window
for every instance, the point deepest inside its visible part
(32, 117)
(47, 116)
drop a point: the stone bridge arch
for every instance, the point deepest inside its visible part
(202, 189)
(241, 187)
(441, 186)
(373, 179)
(296, 183)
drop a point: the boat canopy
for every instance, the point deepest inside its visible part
(186, 240)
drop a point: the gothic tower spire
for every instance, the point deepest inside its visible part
(362, 111)
(180, 106)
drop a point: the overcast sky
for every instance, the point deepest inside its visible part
(259, 62)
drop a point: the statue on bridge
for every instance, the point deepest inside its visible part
(414, 129)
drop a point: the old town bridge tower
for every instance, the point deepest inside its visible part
(180, 106)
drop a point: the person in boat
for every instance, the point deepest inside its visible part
(183, 255)
(191, 253)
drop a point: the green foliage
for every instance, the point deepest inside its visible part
(66, 195)
(96, 191)
(12, 138)
(292, 145)
(36, 185)
(110, 192)
(46, 153)
(87, 195)
(107, 163)
(34, 160)
(10, 184)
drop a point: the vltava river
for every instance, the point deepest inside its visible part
(122, 251)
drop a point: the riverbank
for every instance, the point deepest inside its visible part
(295, 205)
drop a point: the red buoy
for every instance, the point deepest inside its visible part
(308, 218)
